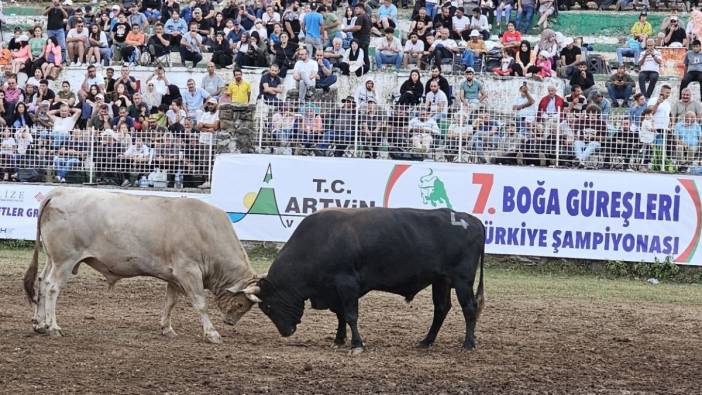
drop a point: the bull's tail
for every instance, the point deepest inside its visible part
(480, 295)
(30, 277)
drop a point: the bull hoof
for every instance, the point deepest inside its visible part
(425, 344)
(339, 342)
(39, 328)
(214, 338)
(468, 347)
(55, 332)
(356, 351)
(168, 332)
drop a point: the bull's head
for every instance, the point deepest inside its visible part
(285, 312)
(236, 302)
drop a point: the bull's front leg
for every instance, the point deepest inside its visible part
(192, 286)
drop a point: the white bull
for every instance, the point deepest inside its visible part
(187, 243)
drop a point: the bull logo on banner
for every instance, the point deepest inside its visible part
(433, 191)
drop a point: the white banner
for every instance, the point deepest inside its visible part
(526, 210)
(19, 206)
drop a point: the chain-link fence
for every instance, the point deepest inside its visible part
(146, 158)
(472, 133)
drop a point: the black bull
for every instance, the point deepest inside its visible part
(334, 257)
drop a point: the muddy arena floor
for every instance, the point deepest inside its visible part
(529, 342)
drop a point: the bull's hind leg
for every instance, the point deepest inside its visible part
(340, 338)
(39, 320)
(53, 283)
(171, 298)
(466, 298)
(441, 295)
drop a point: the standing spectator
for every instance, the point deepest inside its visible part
(620, 87)
(191, 46)
(119, 35)
(271, 85)
(511, 37)
(312, 26)
(389, 51)
(650, 64)
(285, 53)
(523, 105)
(571, 56)
(480, 23)
(684, 105)
(55, 14)
(208, 121)
(583, 78)
(325, 74)
(331, 26)
(239, 89)
(693, 67)
(71, 153)
(525, 12)
(661, 107)
(212, 82)
(503, 11)
(361, 32)
(305, 73)
(674, 35)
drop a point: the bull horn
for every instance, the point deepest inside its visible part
(261, 276)
(251, 290)
(253, 298)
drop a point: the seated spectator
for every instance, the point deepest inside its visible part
(119, 35)
(548, 42)
(191, 46)
(122, 117)
(305, 74)
(63, 120)
(131, 50)
(620, 87)
(389, 50)
(325, 73)
(193, 99)
(412, 90)
(576, 102)
(475, 49)
(443, 19)
(212, 82)
(135, 158)
(421, 17)
(422, 130)
(589, 133)
(21, 55)
(353, 61)
(583, 78)
(685, 105)
(471, 92)
(137, 18)
(632, 49)
(460, 25)
(283, 125)
(176, 28)
(428, 54)
(71, 153)
(570, 57)
(650, 62)
(127, 80)
(693, 67)
(485, 137)
(525, 12)
(524, 59)
(642, 29)
(335, 53)
(604, 106)
(511, 37)
(687, 133)
(480, 23)
(441, 80)
(271, 85)
(101, 119)
(542, 67)
(365, 92)
(159, 44)
(99, 48)
(546, 9)
(239, 89)
(21, 117)
(436, 102)
(506, 64)
(175, 116)
(151, 97)
(443, 47)
(53, 59)
(413, 50)
(674, 35)
(387, 14)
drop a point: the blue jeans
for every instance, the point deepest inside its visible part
(63, 165)
(583, 150)
(60, 35)
(479, 140)
(431, 10)
(468, 58)
(524, 19)
(326, 82)
(152, 15)
(381, 59)
(615, 94)
(622, 52)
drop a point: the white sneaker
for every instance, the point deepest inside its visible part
(79, 64)
(63, 180)
(58, 179)
(74, 64)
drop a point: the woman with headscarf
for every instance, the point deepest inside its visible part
(353, 60)
(412, 90)
(523, 59)
(549, 44)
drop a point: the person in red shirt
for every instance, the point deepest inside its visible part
(511, 38)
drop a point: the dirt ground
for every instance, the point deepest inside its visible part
(526, 345)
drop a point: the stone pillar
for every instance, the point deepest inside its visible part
(238, 128)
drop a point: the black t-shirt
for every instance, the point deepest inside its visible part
(570, 54)
(50, 95)
(121, 30)
(54, 19)
(271, 81)
(424, 19)
(446, 22)
(678, 36)
(203, 24)
(363, 35)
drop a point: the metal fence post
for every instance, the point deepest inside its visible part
(558, 138)
(355, 134)
(91, 168)
(460, 134)
(259, 108)
(209, 160)
(665, 148)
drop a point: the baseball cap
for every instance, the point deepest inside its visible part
(212, 100)
(116, 7)
(474, 33)
(470, 70)
(349, 99)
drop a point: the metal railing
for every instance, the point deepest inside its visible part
(157, 158)
(472, 133)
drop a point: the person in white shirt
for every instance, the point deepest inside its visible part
(650, 61)
(461, 25)
(480, 23)
(64, 119)
(661, 107)
(413, 50)
(365, 92)
(523, 105)
(160, 81)
(422, 129)
(436, 102)
(443, 46)
(389, 50)
(77, 43)
(208, 121)
(304, 73)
